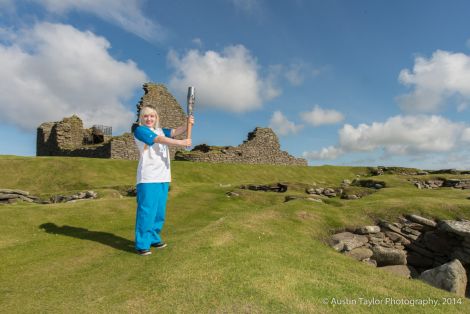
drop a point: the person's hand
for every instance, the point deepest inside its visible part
(191, 119)
(186, 142)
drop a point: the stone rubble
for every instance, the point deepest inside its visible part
(8, 196)
(74, 197)
(415, 247)
(463, 184)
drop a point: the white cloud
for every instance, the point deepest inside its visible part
(326, 153)
(55, 70)
(126, 14)
(319, 116)
(228, 80)
(466, 135)
(197, 42)
(400, 135)
(436, 80)
(281, 125)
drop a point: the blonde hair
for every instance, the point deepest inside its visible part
(146, 110)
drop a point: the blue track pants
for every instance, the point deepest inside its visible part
(150, 216)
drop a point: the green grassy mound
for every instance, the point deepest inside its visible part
(253, 253)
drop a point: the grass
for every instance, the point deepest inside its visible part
(250, 254)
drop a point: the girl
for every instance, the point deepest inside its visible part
(153, 177)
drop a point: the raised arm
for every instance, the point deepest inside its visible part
(172, 141)
(181, 129)
(144, 134)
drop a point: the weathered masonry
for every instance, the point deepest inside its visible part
(69, 138)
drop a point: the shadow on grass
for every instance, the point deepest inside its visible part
(105, 238)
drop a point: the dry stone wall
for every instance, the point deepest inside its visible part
(261, 147)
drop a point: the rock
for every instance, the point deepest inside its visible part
(329, 192)
(12, 191)
(450, 277)
(295, 197)
(409, 230)
(311, 191)
(232, 194)
(388, 256)
(378, 235)
(422, 220)
(418, 260)
(397, 229)
(370, 262)
(91, 194)
(416, 248)
(390, 227)
(395, 237)
(461, 255)
(461, 228)
(346, 241)
(8, 196)
(439, 241)
(360, 253)
(368, 229)
(400, 270)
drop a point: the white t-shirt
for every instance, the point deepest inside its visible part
(154, 161)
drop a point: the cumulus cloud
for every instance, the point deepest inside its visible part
(466, 135)
(55, 70)
(319, 116)
(126, 14)
(326, 153)
(435, 81)
(281, 125)
(399, 135)
(229, 80)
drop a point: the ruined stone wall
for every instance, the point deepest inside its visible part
(123, 147)
(45, 141)
(69, 138)
(261, 147)
(55, 137)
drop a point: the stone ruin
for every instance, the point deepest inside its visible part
(415, 247)
(69, 138)
(261, 147)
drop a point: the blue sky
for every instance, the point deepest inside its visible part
(365, 82)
